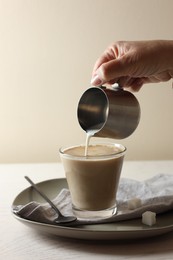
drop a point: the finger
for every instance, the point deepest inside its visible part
(103, 59)
(116, 68)
(123, 81)
(134, 85)
(105, 73)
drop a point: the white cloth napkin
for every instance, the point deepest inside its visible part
(156, 194)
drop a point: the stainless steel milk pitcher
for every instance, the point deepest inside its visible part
(108, 112)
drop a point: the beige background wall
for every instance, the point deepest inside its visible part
(47, 51)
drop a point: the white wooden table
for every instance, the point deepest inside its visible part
(18, 242)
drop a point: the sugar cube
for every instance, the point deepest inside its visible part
(134, 203)
(149, 218)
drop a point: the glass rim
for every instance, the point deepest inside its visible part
(121, 152)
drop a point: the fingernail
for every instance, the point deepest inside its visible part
(96, 81)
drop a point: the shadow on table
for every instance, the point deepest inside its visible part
(149, 246)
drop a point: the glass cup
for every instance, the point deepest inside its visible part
(93, 179)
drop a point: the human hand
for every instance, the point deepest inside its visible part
(134, 63)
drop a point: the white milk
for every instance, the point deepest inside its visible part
(89, 134)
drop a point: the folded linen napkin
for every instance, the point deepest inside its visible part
(156, 194)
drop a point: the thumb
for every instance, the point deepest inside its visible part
(112, 70)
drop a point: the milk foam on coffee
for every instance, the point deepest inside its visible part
(93, 179)
(93, 150)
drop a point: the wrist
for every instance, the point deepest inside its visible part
(169, 57)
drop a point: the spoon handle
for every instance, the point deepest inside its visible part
(43, 195)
